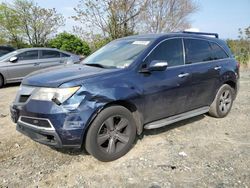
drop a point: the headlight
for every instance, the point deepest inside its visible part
(58, 95)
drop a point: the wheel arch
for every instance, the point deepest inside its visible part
(233, 85)
(133, 109)
(4, 81)
(126, 104)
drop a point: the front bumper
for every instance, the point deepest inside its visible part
(47, 137)
(67, 128)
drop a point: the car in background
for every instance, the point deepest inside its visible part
(5, 50)
(16, 65)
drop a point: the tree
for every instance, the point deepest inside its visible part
(71, 43)
(10, 26)
(109, 18)
(37, 23)
(167, 15)
(241, 47)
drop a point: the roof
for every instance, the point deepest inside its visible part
(42, 48)
(175, 34)
(36, 48)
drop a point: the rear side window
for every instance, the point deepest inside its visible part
(64, 55)
(197, 51)
(170, 51)
(217, 51)
(50, 54)
(29, 55)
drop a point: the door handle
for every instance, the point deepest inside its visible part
(36, 64)
(217, 68)
(182, 75)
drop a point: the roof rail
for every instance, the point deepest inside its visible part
(202, 33)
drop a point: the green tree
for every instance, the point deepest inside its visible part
(241, 47)
(38, 23)
(10, 25)
(71, 43)
(109, 18)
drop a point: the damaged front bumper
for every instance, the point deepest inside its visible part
(52, 124)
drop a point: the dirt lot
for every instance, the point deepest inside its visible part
(217, 154)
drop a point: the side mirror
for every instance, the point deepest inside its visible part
(13, 59)
(157, 65)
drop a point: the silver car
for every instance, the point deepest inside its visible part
(15, 65)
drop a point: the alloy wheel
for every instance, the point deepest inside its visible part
(114, 134)
(225, 101)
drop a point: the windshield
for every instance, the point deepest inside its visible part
(117, 54)
(7, 56)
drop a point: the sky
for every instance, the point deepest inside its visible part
(221, 16)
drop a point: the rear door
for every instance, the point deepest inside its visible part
(50, 58)
(205, 72)
(26, 63)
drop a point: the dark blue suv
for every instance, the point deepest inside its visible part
(133, 83)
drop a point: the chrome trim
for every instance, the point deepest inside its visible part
(183, 51)
(34, 126)
(217, 68)
(203, 62)
(176, 118)
(183, 75)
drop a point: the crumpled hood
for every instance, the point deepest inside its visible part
(56, 76)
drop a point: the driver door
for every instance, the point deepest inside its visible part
(166, 91)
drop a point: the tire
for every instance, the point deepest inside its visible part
(223, 102)
(112, 134)
(1, 81)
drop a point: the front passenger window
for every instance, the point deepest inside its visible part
(170, 51)
(29, 55)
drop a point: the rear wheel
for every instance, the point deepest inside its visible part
(112, 134)
(223, 101)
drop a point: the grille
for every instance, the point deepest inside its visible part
(24, 98)
(36, 122)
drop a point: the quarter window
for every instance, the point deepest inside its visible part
(64, 55)
(170, 51)
(50, 54)
(29, 55)
(197, 51)
(218, 52)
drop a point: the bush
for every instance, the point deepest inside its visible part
(71, 43)
(241, 50)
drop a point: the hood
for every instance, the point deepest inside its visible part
(56, 76)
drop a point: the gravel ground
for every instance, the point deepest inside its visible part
(199, 152)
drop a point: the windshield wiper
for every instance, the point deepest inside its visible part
(95, 65)
(100, 65)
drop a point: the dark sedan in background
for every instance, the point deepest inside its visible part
(5, 50)
(16, 65)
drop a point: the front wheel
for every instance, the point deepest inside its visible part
(112, 134)
(223, 102)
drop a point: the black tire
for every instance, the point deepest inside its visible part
(1, 81)
(223, 102)
(112, 134)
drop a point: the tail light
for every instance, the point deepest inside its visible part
(238, 64)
